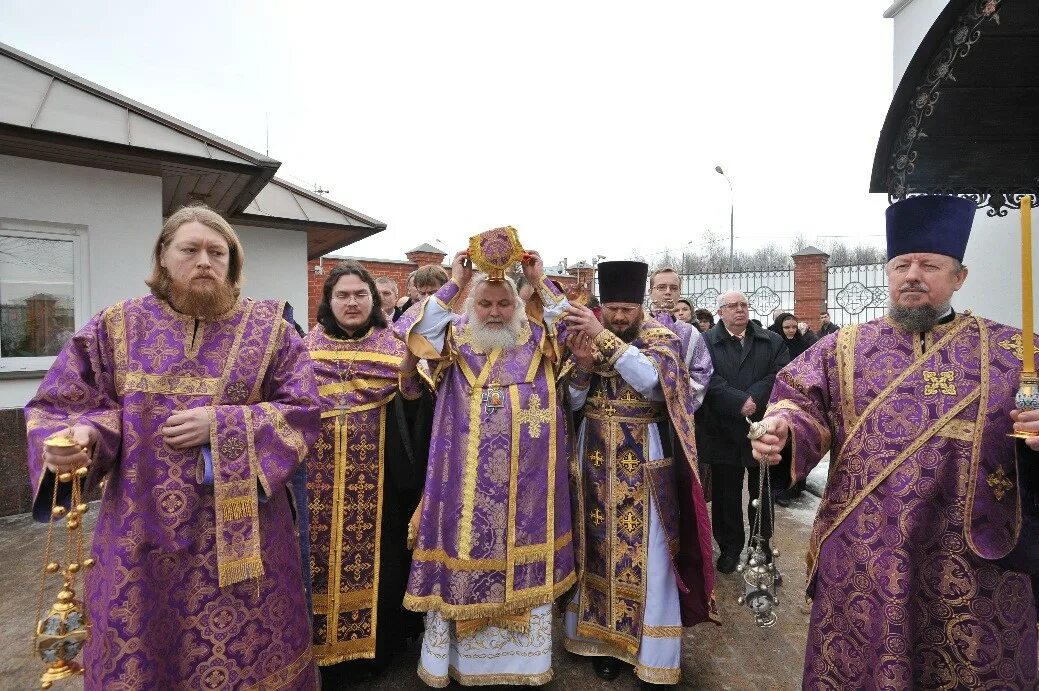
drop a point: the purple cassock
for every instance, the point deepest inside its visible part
(358, 380)
(907, 565)
(494, 534)
(198, 582)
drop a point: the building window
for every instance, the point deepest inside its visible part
(42, 296)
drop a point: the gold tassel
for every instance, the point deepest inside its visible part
(237, 508)
(240, 570)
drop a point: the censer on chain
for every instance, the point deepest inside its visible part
(759, 571)
(61, 633)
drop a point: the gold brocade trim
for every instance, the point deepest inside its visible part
(510, 550)
(847, 339)
(465, 526)
(115, 320)
(170, 384)
(438, 682)
(354, 384)
(609, 417)
(232, 355)
(920, 361)
(346, 602)
(335, 538)
(272, 345)
(958, 429)
(378, 526)
(456, 564)
(530, 598)
(975, 460)
(357, 356)
(285, 675)
(652, 675)
(284, 430)
(357, 408)
(344, 651)
(662, 631)
(550, 519)
(609, 346)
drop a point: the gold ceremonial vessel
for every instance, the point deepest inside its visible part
(61, 633)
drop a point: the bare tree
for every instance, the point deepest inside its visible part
(714, 257)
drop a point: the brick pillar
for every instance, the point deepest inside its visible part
(424, 258)
(810, 285)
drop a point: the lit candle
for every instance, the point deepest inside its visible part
(1027, 330)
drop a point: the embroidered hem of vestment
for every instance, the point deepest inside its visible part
(439, 682)
(652, 675)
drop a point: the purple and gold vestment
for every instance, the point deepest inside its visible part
(358, 380)
(625, 477)
(494, 534)
(921, 503)
(196, 585)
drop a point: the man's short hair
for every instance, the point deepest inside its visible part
(160, 281)
(430, 275)
(662, 270)
(387, 281)
(721, 297)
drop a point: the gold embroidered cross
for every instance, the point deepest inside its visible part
(1000, 483)
(939, 382)
(363, 447)
(534, 416)
(608, 410)
(630, 395)
(596, 458)
(597, 516)
(1014, 345)
(630, 522)
(630, 462)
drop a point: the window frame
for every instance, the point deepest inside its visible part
(42, 230)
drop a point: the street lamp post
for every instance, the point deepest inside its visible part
(732, 211)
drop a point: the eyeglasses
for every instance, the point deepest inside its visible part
(734, 305)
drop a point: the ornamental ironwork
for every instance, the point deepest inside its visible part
(957, 44)
(763, 300)
(855, 297)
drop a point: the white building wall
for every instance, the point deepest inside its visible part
(275, 267)
(121, 212)
(993, 287)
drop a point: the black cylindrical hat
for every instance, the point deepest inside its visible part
(622, 281)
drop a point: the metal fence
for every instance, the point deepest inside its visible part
(856, 294)
(765, 290)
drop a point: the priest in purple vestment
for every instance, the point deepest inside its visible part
(493, 545)
(196, 407)
(364, 475)
(643, 536)
(922, 556)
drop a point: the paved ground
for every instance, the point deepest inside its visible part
(736, 655)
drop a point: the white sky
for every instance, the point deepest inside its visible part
(593, 127)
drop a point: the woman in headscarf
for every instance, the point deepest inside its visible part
(796, 342)
(683, 310)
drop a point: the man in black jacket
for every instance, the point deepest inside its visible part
(746, 359)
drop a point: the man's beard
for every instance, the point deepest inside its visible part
(505, 336)
(202, 299)
(627, 335)
(916, 319)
